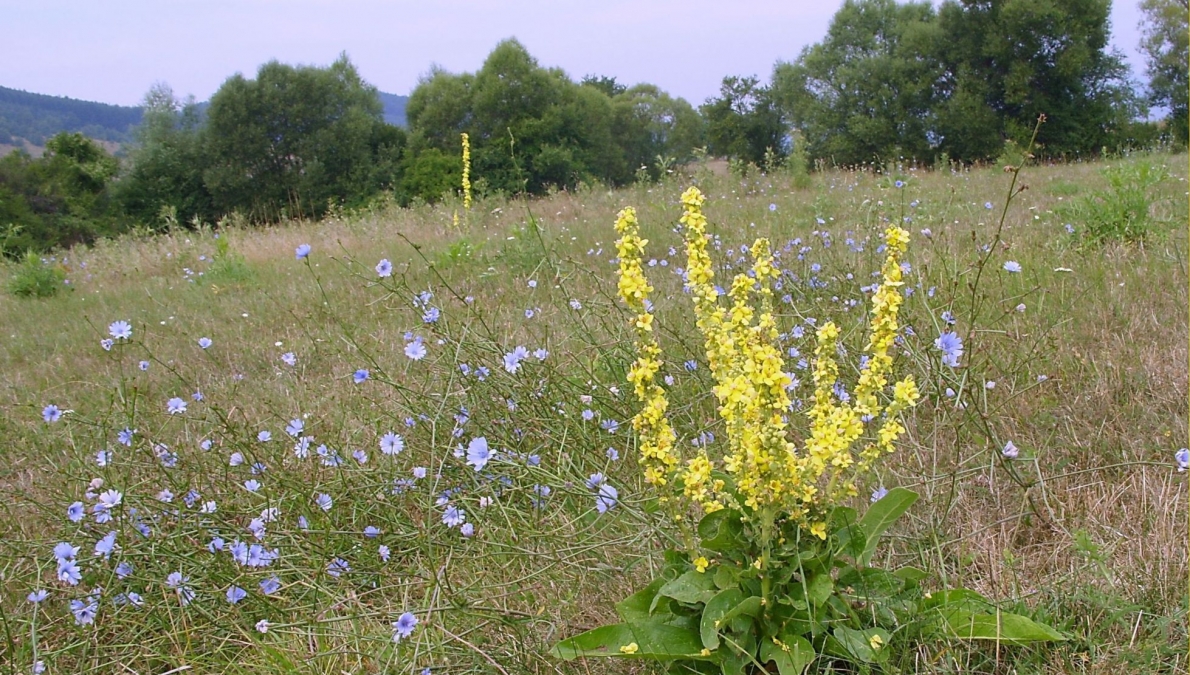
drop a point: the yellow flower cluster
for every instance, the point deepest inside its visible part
(750, 380)
(466, 172)
(752, 388)
(657, 454)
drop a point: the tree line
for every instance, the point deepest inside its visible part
(889, 80)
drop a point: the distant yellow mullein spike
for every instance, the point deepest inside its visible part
(466, 172)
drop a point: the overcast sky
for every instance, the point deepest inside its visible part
(112, 51)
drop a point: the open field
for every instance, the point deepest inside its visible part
(1079, 360)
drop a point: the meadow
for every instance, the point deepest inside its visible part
(387, 443)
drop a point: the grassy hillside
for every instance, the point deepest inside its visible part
(1079, 359)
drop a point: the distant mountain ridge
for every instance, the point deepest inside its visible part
(37, 117)
(29, 119)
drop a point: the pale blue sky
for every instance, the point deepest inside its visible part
(113, 51)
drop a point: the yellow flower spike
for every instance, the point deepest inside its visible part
(466, 172)
(657, 455)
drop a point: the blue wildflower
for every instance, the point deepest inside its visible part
(235, 594)
(295, 427)
(415, 349)
(392, 444)
(453, 516)
(301, 251)
(120, 330)
(952, 348)
(478, 453)
(512, 360)
(403, 626)
(607, 498)
(106, 545)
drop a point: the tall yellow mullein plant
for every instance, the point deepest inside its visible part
(774, 478)
(466, 177)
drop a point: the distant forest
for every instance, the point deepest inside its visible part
(38, 117)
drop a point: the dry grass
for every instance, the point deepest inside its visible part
(1088, 527)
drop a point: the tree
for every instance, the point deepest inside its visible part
(58, 200)
(167, 163)
(652, 128)
(1023, 58)
(867, 91)
(439, 109)
(1167, 51)
(291, 141)
(744, 122)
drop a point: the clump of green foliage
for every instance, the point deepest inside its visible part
(1120, 212)
(59, 199)
(35, 278)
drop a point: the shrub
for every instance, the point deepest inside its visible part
(35, 278)
(1119, 212)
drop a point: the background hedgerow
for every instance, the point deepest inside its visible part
(1044, 451)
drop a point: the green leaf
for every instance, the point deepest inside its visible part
(792, 662)
(880, 516)
(750, 606)
(712, 615)
(847, 532)
(655, 641)
(957, 597)
(911, 576)
(819, 588)
(691, 587)
(726, 575)
(721, 530)
(1001, 627)
(870, 583)
(857, 644)
(637, 607)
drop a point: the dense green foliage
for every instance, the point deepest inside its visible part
(744, 121)
(293, 140)
(1166, 45)
(58, 200)
(962, 81)
(903, 80)
(533, 128)
(37, 117)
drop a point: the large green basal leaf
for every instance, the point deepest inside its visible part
(637, 607)
(1001, 627)
(655, 641)
(880, 516)
(792, 662)
(712, 615)
(691, 587)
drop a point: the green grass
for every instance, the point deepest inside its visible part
(1086, 529)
